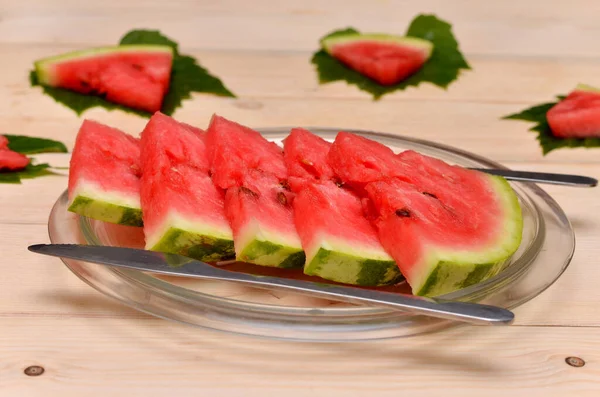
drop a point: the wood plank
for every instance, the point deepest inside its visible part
(532, 28)
(126, 357)
(285, 74)
(474, 127)
(572, 300)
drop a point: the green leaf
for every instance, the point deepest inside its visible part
(9, 177)
(32, 145)
(187, 76)
(547, 141)
(30, 172)
(36, 171)
(442, 68)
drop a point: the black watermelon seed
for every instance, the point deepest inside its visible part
(430, 195)
(281, 198)
(403, 213)
(248, 191)
(284, 184)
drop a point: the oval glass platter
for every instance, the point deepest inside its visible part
(545, 252)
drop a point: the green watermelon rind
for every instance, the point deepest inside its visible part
(261, 246)
(266, 253)
(350, 262)
(197, 239)
(447, 271)
(329, 42)
(586, 88)
(345, 268)
(44, 66)
(92, 202)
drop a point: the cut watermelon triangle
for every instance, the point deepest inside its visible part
(135, 76)
(10, 160)
(577, 115)
(183, 211)
(445, 226)
(104, 175)
(386, 59)
(258, 204)
(340, 243)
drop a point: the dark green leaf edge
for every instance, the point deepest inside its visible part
(32, 145)
(441, 69)
(30, 172)
(187, 76)
(547, 141)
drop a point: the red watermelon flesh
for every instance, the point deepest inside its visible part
(340, 243)
(383, 58)
(182, 209)
(234, 148)
(446, 227)
(104, 175)
(253, 173)
(305, 155)
(358, 160)
(261, 196)
(137, 76)
(10, 160)
(576, 116)
(260, 213)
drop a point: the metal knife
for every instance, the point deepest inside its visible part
(542, 177)
(157, 262)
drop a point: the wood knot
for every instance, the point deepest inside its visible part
(34, 370)
(575, 362)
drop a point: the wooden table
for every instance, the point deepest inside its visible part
(522, 53)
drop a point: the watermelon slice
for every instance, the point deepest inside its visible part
(257, 202)
(445, 226)
(260, 214)
(136, 76)
(10, 160)
(578, 115)
(104, 175)
(183, 211)
(340, 243)
(233, 148)
(384, 58)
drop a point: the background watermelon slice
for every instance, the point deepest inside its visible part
(340, 243)
(386, 59)
(257, 202)
(446, 227)
(136, 76)
(183, 211)
(10, 160)
(104, 175)
(578, 115)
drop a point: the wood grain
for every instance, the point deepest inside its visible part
(528, 28)
(124, 357)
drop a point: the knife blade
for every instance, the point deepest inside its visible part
(161, 263)
(542, 177)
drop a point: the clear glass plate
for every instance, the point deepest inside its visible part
(546, 250)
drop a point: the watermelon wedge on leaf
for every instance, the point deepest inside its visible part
(143, 74)
(15, 165)
(571, 121)
(380, 63)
